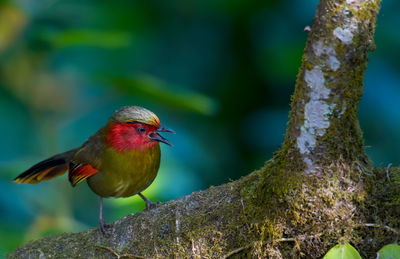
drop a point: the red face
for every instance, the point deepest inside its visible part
(127, 136)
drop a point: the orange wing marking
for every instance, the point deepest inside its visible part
(79, 172)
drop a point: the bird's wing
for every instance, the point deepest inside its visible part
(79, 172)
(87, 159)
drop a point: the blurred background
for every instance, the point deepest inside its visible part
(219, 72)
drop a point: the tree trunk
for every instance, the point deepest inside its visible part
(319, 189)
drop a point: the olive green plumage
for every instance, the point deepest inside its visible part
(125, 174)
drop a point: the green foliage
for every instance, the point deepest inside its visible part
(345, 251)
(92, 38)
(215, 71)
(391, 251)
(150, 87)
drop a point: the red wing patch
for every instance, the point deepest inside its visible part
(78, 173)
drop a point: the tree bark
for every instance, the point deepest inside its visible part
(319, 189)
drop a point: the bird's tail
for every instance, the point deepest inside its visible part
(47, 169)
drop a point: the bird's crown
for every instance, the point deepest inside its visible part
(135, 114)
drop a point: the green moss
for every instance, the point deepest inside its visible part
(309, 208)
(368, 12)
(343, 137)
(307, 218)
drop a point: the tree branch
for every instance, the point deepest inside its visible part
(323, 120)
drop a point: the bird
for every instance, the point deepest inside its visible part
(120, 160)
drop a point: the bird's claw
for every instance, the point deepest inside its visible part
(103, 226)
(152, 205)
(149, 205)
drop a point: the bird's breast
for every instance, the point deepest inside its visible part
(123, 174)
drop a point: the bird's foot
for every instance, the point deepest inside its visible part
(103, 226)
(152, 205)
(149, 205)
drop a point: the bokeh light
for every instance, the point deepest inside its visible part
(220, 73)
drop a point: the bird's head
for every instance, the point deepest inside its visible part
(134, 127)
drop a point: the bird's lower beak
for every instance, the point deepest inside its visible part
(158, 137)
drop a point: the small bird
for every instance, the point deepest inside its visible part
(119, 160)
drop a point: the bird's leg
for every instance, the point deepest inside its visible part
(149, 204)
(102, 223)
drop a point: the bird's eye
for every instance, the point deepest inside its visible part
(141, 130)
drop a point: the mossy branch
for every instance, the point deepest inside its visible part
(318, 190)
(232, 219)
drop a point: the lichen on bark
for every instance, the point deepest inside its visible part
(319, 189)
(330, 83)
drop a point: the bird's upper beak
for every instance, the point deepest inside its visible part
(165, 129)
(155, 136)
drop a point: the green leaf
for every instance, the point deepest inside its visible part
(342, 252)
(391, 251)
(93, 38)
(158, 90)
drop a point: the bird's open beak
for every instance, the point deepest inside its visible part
(155, 136)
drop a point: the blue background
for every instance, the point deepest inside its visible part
(219, 72)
